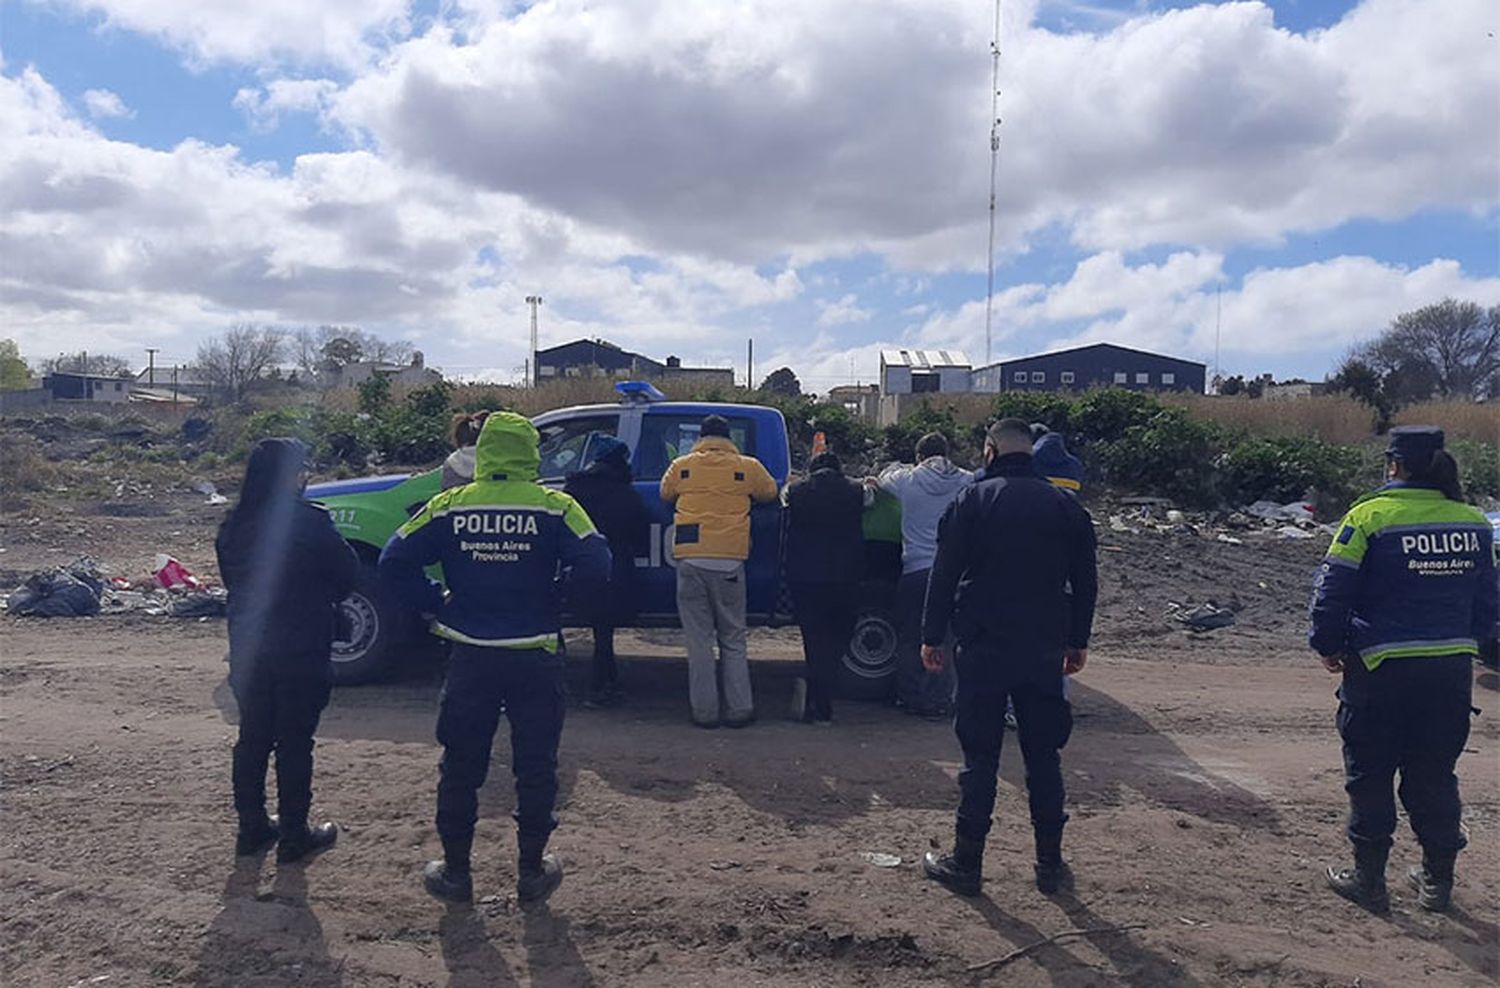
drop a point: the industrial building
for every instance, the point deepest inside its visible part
(904, 372)
(1099, 365)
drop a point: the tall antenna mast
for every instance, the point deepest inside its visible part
(989, 258)
(1218, 322)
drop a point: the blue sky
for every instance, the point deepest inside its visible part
(679, 177)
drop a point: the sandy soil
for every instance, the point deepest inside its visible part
(1204, 781)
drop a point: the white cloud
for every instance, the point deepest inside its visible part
(841, 311)
(337, 32)
(263, 107)
(105, 105)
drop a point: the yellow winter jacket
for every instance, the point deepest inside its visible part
(712, 487)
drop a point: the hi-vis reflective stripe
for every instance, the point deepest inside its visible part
(547, 643)
(1376, 654)
(1066, 483)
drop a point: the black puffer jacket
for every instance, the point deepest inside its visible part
(825, 526)
(1009, 548)
(608, 496)
(284, 564)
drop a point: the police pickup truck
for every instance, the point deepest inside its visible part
(375, 627)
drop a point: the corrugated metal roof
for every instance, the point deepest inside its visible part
(924, 359)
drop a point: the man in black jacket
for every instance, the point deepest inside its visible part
(605, 492)
(286, 569)
(1008, 549)
(825, 562)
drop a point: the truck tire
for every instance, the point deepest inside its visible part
(371, 630)
(868, 671)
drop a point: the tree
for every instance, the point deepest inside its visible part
(14, 374)
(1357, 378)
(83, 362)
(1450, 348)
(782, 382)
(241, 357)
(328, 349)
(1231, 386)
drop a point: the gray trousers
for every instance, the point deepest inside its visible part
(711, 605)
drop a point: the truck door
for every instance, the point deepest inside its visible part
(665, 436)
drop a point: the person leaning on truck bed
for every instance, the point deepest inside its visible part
(458, 468)
(501, 541)
(286, 568)
(712, 489)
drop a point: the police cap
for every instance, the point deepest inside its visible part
(1414, 444)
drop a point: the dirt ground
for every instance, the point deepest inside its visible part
(1204, 784)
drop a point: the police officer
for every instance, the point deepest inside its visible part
(1400, 604)
(1008, 548)
(501, 541)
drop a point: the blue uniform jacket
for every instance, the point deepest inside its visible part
(505, 544)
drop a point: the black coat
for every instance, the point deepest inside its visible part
(825, 529)
(285, 567)
(614, 505)
(1009, 549)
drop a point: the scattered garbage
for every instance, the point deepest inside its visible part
(171, 574)
(1293, 532)
(882, 860)
(1204, 617)
(67, 591)
(208, 603)
(211, 491)
(1229, 539)
(1297, 512)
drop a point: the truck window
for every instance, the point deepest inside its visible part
(666, 437)
(564, 446)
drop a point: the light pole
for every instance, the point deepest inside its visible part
(151, 353)
(535, 301)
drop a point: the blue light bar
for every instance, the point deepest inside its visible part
(633, 391)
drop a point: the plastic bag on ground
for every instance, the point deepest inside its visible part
(55, 593)
(172, 575)
(1206, 617)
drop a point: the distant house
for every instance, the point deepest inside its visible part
(905, 372)
(183, 381)
(1294, 390)
(861, 400)
(1098, 365)
(600, 358)
(64, 386)
(413, 375)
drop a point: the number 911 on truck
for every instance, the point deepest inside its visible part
(375, 627)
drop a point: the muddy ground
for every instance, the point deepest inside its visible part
(1204, 782)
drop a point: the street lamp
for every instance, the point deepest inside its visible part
(535, 301)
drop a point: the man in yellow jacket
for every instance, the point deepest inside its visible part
(712, 488)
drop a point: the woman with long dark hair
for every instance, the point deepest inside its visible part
(1404, 598)
(286, 569)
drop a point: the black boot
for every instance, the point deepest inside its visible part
(961, 871)
(1052, 872)
(1364, 884)
(306, 842)
(1433, 880)
(537, 874)
(257, 838)
(449, 882)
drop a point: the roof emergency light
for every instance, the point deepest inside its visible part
(632, 392)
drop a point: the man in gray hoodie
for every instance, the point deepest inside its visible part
(925, 491)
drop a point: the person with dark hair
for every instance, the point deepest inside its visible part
(286, 569)
(463, 434)
(924, 492)
(1403, 600)
(825, 560)
(1009, 548)
(605, 491)
(507, 546)
(712, 489)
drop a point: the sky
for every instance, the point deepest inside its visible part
(1257, 185)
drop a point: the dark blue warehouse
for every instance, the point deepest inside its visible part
(1099, 365)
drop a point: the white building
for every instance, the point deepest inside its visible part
(904, 372)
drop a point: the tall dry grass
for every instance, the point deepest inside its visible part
(1331, 418)
(1459, 419)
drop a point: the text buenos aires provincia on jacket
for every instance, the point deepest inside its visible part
(1441, 553)
(502, 523)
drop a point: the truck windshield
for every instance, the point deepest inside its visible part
(666, 437)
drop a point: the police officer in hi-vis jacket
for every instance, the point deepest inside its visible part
(501, 541)
(1407, 592)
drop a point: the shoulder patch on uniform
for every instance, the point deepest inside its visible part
(1346, 535)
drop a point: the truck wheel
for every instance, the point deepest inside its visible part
(370, 629)
(868, 671)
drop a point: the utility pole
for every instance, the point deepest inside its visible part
(174, 387)
(750, 364)
(533, 372)
(989, 258)
(151, 353)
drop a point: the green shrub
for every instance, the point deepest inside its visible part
(1171, 455)
(1106, 415)
(1284, 469)
(900, 440)
(1478, 466)
(1052, 410)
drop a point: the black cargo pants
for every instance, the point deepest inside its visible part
(528, 686)
(280, 704)
(1411, 715)
(826, 613)
(986, 680)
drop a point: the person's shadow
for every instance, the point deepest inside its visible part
(271, 938)
(1467, 937)
(472, 961)
(551, 955)
(1133, 964)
